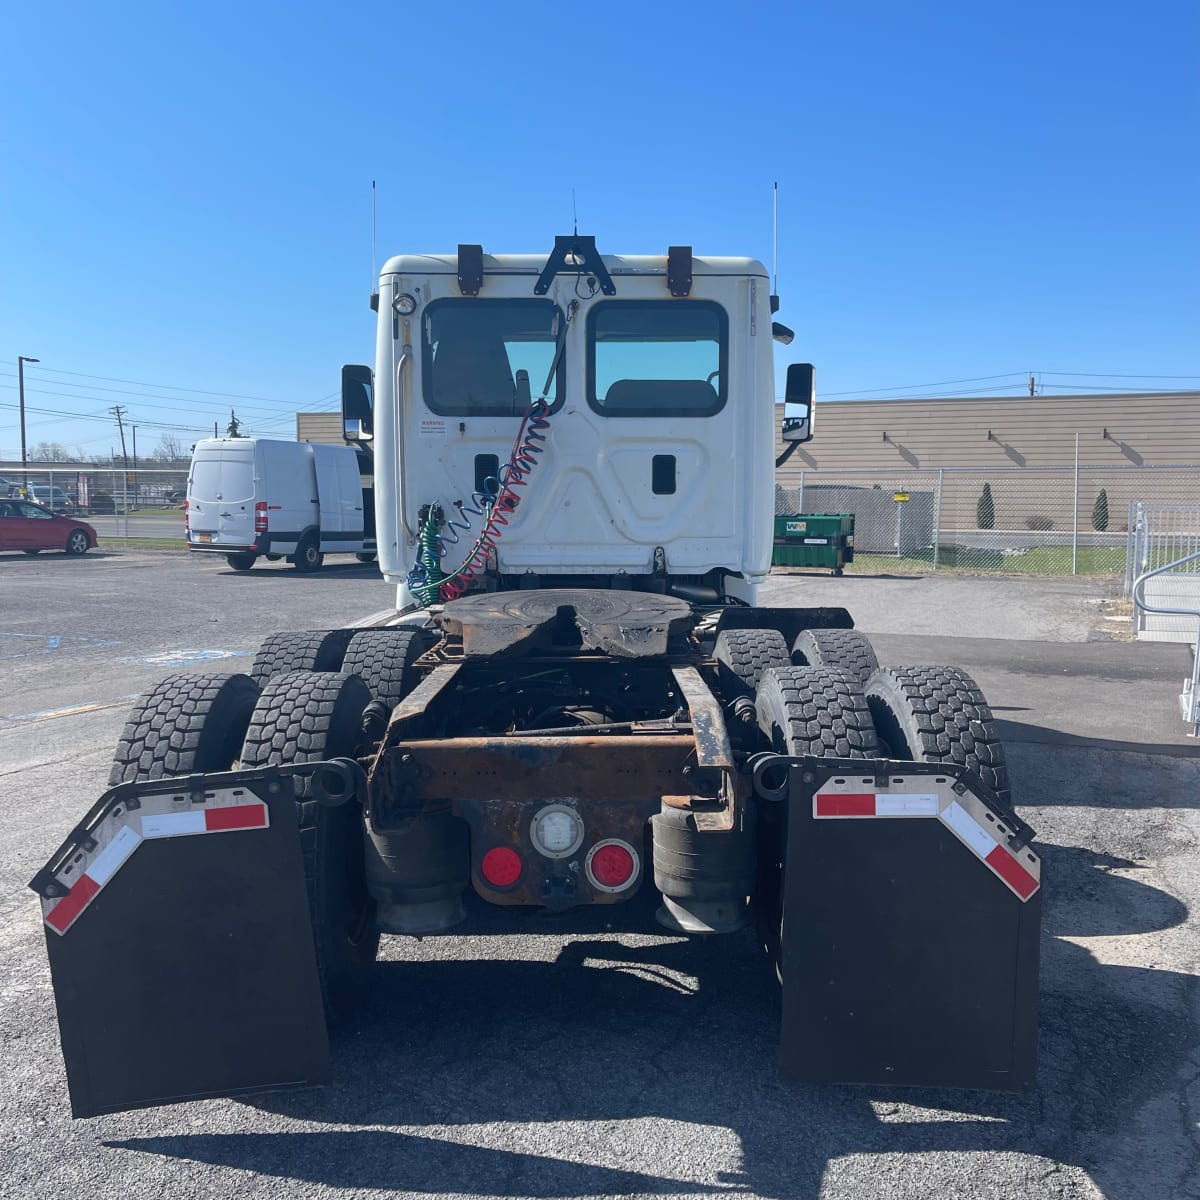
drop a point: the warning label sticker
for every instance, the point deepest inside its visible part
(432, 427)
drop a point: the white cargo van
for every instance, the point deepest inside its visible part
(300, 500)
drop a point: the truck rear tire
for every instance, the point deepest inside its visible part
(383, 659)
(366, 558)
(814, 710)
(938, 714)
(802, 710)
(838, 650)
(306, 716)
(308, 556)
(310, 650)
(187, 724)
(240, 562)
(743, 655)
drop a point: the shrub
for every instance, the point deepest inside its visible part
(985, 509)
(1100, 512)
(1038, 521)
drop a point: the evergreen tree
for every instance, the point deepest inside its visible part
(1100, 511)
(985, 509)
(234, 428)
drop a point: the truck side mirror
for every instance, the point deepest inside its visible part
(799, 398)
(358, 390)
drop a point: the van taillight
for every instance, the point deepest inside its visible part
(260, 517)
(187, 504)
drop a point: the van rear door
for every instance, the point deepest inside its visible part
(221, 494)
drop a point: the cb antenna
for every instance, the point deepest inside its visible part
(374, 273)
(574, 213)
(775, 249)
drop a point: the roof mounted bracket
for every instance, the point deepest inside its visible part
(575, 254)
(679, 270)
(470, 268)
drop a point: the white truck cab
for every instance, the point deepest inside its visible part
(252, 497)
(651, 462)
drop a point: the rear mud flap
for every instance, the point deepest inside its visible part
(179, 939)
(911, 919)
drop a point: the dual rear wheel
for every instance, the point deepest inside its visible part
(298, 704)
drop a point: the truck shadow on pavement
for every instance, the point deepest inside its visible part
(673, 1035)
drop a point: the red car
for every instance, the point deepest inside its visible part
(30, 527)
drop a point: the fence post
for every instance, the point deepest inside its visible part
(1130, 550)
(800, 496)
(937, 516)
(1075, 520)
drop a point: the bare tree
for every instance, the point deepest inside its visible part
(170, 448)
(50, 452)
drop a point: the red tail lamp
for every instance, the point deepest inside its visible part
(501, 866)
(260, 517)
(612, 865)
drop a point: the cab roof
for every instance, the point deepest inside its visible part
(532, 264)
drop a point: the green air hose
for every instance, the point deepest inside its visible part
(427, 591)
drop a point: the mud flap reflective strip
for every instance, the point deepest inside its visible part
(79, 881)
(965, 815)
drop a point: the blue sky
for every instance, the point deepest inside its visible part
(966, 189)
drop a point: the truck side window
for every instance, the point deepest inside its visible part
(472, 350)
(657, 358)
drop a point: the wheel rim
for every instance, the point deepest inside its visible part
(77, 542)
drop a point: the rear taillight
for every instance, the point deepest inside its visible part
(611, 865)
(260, 517)
(501, 867)
(186, 520)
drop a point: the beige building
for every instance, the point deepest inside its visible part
(1137, 429)
(320, 427)
(1136, 446)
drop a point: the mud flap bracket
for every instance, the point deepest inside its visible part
(911, 919)
(183, 964)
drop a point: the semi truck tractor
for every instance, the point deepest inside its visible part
(578, 701)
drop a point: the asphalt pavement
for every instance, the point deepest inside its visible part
(558, 1065)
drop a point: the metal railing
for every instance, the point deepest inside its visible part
(1189, 698)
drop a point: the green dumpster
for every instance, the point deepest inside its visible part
(814, 540)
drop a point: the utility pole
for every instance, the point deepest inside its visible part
(22, 359)
(1031, 386)
(119, 411)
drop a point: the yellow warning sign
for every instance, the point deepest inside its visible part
(900, 497)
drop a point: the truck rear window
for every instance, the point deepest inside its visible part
(473, 349)
(657, 358)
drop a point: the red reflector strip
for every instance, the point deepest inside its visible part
(1012, 872)
(240, 816)
(846, 804)
(63, 914)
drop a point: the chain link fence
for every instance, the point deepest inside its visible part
(145, 503)
(1043, 521)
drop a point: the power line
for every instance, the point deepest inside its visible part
(169, 386)
(912, 387)
(54, 412)
(1107, 375)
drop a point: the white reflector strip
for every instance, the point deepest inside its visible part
(105, 864)
(173, 824)
(899, 804)
(963, 824)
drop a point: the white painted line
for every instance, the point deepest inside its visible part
(105, 864)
